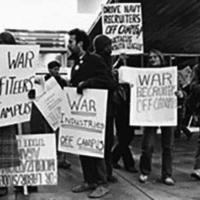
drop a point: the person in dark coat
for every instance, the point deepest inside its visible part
(38, 118)
(90, 71)
(9, 155)
(181, 110)
(125, 132)
(38, 123)
(102, 46)
(193, 102)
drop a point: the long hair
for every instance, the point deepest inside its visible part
(160, 55)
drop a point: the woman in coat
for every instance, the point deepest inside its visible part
(156, 59)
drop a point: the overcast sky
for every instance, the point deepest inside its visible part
(46, 14)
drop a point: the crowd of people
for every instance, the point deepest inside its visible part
(95, 70)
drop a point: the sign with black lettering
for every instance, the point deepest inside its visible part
(17, 71)
(122, 22)
(49, 102)
(153, 99)
(83, 122)
(38, 162)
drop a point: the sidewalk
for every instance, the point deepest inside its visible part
(128, 187)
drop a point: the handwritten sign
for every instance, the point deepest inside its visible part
(184, 76)
(18, 64)
(49, 103)
(83, 122)
(38, 162)
(153, 99)
(123, 24)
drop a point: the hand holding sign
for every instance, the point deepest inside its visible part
(81, 86)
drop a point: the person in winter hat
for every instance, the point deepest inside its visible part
(103, 46)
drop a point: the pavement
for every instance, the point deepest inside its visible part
(128, 187)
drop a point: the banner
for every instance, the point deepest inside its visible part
(123, 24)
(83, 122)
(18, 65)
(49, 103)
(153, 99)
(38, 162)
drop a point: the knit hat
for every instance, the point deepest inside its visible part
(7, 38)
(53, 64)
(101, 41)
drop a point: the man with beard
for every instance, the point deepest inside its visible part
(90, 71)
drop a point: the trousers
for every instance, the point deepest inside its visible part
(148, 143)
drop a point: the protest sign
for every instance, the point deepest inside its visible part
(184, 76)
(122, 22)
(49, 102)
(153, 99)
(18, 65)
(83, 122)
(38, 162)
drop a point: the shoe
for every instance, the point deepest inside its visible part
(143, 178)
(3, 191)
(187, 132)
(117, 166)
(99, 192)
(196, 174)
(84, 187)
(189, 136)
(168, 181)
(132, 169)
(112, 179)
(20, 189)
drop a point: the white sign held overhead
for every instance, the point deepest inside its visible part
(122, 22)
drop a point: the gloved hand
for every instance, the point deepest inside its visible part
(179, 94)
(31, 94)
(81, 86)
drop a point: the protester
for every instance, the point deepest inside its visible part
(182, 122)
(9, 156)
(38, 123)
(54, 71)
(194, 105)
(156, 59)
(89, 71)
(124, 132)
(36, 117)
(102, 47)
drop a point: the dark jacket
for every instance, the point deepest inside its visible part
(193, 99)
(38, 123)
(93, 69)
